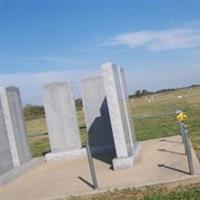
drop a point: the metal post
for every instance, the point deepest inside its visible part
(92, 169)
(188, 150)
(181, 125)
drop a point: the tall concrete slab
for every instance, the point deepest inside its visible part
(6, 163)
(15, 156)
(14, 121)
(62, 122)
(127, 107)
(97, 117)
(122, 127)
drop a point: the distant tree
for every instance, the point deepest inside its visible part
(33, 111)
(137, 93)
(166, 90)
(28, 105)
(79, 104)
(144, 92)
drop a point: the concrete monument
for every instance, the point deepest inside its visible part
(6, 163)
(121, 120)
(97, 117)
(14, 120)
(61, 121)
(15, 156)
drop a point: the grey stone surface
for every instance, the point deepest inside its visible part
(6, 162)
(95, 107)
(67, 155)
(118, 104)
(61, 117)
(128, 112)
(14, 121)
(19, 170)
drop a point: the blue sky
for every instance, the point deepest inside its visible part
(157, 43)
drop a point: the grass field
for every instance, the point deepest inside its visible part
(189, 192)
(151, 120)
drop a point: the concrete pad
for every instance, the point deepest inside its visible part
(18, 171)
(126, 162)
(159, 161)
(66, 155)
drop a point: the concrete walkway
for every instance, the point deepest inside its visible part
(159, 161)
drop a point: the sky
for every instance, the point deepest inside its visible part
(156, 42)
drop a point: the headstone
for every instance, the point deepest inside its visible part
(62, 122)
(6, 163)
(97, 117)
(14, 121)
(121, 119)
(15, 156)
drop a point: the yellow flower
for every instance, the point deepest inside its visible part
(181, 117)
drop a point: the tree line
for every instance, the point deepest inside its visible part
(35, 111)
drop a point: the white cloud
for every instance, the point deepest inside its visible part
(31, 84)
(154, 79)
(174, 38)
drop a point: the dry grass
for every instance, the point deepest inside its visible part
(152, 120)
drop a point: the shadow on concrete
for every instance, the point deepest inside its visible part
(100, 136)
(45, 152)
(107, 158)
(172, 168)
(173, 152)
(170, 141)
(86, 182)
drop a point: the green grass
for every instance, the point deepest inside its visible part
(151, 120)
(39, 147)
(190, 192)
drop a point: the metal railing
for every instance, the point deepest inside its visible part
(92, 168)
(186, 143)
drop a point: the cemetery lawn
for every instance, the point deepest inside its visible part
(161, 192)
(151, 119)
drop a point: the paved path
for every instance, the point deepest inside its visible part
(60, 179)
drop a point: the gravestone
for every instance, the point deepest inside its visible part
(14, 121)
(121, 119)
(6, 163)
(15, 156)
(108, 115)
(97, 117)
(61, 121)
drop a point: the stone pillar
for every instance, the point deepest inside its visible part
(122, 127)
(97, 117)
(6, 163)
(15, 156)
(62, 122)
(14, 121)
(127, 107)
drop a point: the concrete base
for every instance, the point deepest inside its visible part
(18, 171)
(126, 162)
(68, 155)
(159, 161)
